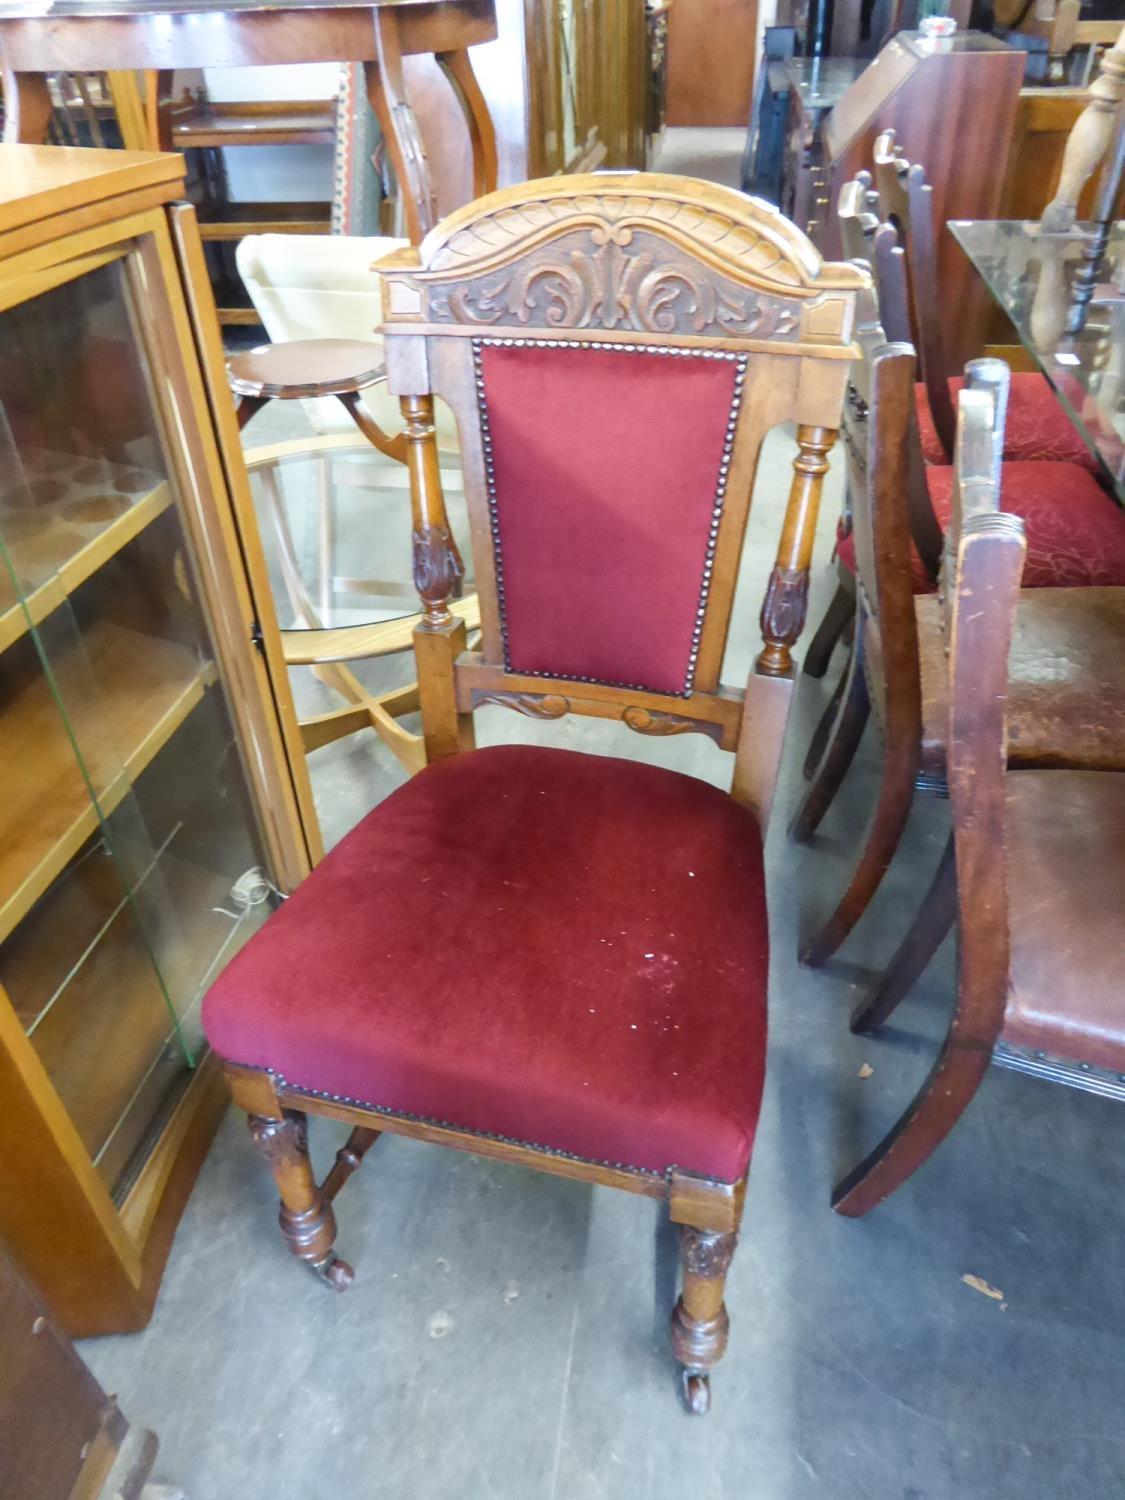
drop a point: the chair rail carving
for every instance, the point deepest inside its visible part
(615, 278)
(633, 715)
(531, 705)
(639, 253)
(655, 721)
(755, 244)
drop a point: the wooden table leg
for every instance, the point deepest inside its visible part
(458, 68)
(386, 91)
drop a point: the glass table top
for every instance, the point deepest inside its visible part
(334, 517)
(1032, 275)
(822, 82)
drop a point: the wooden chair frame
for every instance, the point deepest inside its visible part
(660, 264)
(878, 244)
(886, 615)
(980, 598)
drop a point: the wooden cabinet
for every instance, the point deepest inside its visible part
(152, 783)
(711, 51)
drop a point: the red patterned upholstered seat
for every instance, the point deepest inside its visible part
(1036, 428)
(1075, 532)
(556, 948)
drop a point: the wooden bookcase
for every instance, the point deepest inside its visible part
(155, 795)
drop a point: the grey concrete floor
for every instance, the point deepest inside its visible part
(505, 1338)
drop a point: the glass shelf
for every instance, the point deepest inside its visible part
(53, 802)
(127, 835)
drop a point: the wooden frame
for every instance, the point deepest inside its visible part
(721, 276)
(984, 563)
(63, 213)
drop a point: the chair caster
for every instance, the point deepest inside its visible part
(697, 1392)
(333, 1271)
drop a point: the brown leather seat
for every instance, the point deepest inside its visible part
(1066, 701)
(1065, 834)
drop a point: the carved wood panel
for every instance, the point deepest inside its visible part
(615, 278)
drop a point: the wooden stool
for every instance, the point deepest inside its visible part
(313, 368)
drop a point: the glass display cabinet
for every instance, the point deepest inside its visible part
(152, 777)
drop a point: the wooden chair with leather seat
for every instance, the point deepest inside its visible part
(1038, 428)
(1075, 531)
(1068, 664)
(1039, 858)
(555, 958)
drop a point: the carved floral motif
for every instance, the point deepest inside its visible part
(533, 705)
(783, 611)
(655, 721)
(774, 254)
(438, 569)
(705, 1252)
(609, 277)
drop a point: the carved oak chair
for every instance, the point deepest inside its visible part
(1038, 428)
(1039, 859)
(577, 944)
(1068, 665)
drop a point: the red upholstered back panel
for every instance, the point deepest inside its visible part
(606, 475)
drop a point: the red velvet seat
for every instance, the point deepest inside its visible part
(560, 949)
(1075, 532)
(1037, 428)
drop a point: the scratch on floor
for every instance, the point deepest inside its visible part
(562, 1404)
(476, 1463)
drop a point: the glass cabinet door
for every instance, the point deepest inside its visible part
(130, 865)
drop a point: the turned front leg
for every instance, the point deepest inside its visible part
(787, 593)
(700, 1324)
(308, 1223)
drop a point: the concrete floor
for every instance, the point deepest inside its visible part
(505, 1338)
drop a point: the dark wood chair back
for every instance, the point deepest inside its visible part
(890, 179)
(906, 203)
(888, 262)
(858, 213)
(981, 595)
(615, 349)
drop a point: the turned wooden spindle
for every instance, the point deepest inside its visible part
(1089, 140)
(787, 593)
(438, 569)
(700, 1325)
(439, 637)
(349, 1159)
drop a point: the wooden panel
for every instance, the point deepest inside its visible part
(711, 45)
